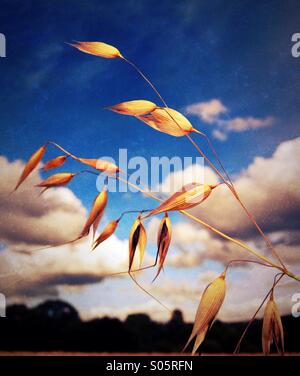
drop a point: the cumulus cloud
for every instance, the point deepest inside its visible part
(269, 187)
(245, 291)
(219, 135)
(195, 172)
(28, 220)
(192, 245)
(239, 124)
(244, 297)
(211, 112)
(41, 273)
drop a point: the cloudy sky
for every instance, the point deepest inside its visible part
(228, 68)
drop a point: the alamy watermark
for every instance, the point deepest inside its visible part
(296, 47)
(156, 174)
(2, 45)
(2, 305)
(296, 306)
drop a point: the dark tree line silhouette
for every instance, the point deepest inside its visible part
(56, 326)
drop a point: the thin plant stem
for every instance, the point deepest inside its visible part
(147, 292)
(230, 184)
(225, 236)
(249, 261)
(137, 270)
(237, 348)
(146, 79)
(220, 233)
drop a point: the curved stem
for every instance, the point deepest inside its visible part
(233, 240)
(230, 184)
(250, 261)
(218, 158)
(147, 292)
(211, 228)
(63, 149)
(146, 79)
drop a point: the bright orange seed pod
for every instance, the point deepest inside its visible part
(168, 121)
(97, 210)
(57, 180)
(101, 165)
(31, 164)
(55, 162)
(106, 233)
(98, 49)
(134, 108)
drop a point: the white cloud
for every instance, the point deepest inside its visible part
(28, 220)
(211, 112)
(269, 187)
(42, 272)
(192, 245)
(219, 135)
(208, 111)
(240, 124)
(196, 172)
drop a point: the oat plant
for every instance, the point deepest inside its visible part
(164, 119)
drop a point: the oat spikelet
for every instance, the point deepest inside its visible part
(209, 306)
(137, 239)
(168, 121)
(98, 49)
(57, 180)
(31, 164)
(101, 165)
(163, 241)
(272, 330)
(97, 211)
(133, 108)
(106, 233)
(188, 196)
(55, 162)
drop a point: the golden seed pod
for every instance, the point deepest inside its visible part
(31, 164)
(98, 49)
(188, 196)
(134, 108)
(101, 165)
(106, 233)
(163, 241)
(57, 180)
(96, 212)
(168, 121)
(55, 162)
(272, 328)
(137, 239)
(209, 306)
